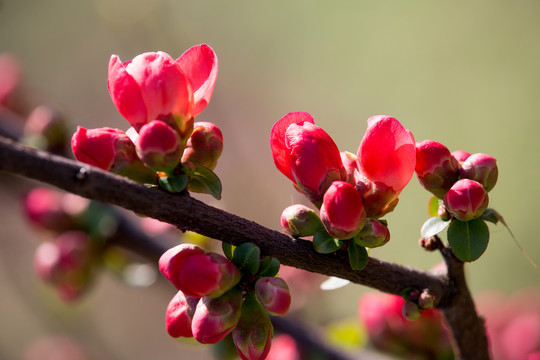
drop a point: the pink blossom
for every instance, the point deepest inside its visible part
(204, 146)
(436, 168)
(179, 315)
(159, 146)
(342, 210)
(306, 154)
(466, 200)
(460, 155)
(153, 85)
(283, 347)
(482, 168)
(197, 273)
(273, 294)
(215, 318)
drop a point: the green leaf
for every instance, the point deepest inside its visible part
(247, 258)
(433, 206)
(492, 216)
(324, 243)
(203, 180)
(433, 226)
(228, 250)
(269, 267)
(174, 183)
(468, 239)
(358, 256)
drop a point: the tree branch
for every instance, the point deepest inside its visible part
(451, 292)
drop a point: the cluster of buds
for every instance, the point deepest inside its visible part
(352, 191)
(68, 262)
(461, 180)
(218, 295)
(159, 97)
(386, 319)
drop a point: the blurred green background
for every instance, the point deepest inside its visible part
(464, 73)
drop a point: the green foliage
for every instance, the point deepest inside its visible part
(358, 256)
(433, 226)
(324, 243)
(468, 239)
(247, 258)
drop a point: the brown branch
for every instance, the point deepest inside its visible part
(181, 210)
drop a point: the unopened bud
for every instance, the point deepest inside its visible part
(460, 156)
(273, 293)
(342, 211)
(179, 315)
(300, 220)
(482, 168)
(466, 200)
(426, 300)
(159, 146)
(436, 168)
(411, 311)
(46, 129)
(215, 318)
(204, 146)
(374, 234)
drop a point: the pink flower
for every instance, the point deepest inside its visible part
(179, 315)
(342, 211)
(159, 146)
(197, 273)
(273, 294)
(460, 155)
(466, 200)
(306, 154)
(204, 146)
(110, 149)
(215, 318)
(386, 159)
(283, 347)
(154, 86)
(436, 168)
(482, 168)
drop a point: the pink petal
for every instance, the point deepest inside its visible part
(387, 152)
(200, 64)
(277, 139)
(126, 94)
(164, 86)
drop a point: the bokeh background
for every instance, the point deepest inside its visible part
(464, 73)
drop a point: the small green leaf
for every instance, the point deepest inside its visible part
(247, 258)
(433, 206)
(324, 243)
(358, 256)
(174, 183)
(468, 239)
(228, 250)
(433, 226)
(490, 215)
(204, 180)
(269, 267)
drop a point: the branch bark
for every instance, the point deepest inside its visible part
(187, 213)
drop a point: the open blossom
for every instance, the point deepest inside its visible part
(466, 200)
(155, 86)
(342, 211)
(197, 273)
(306, 154)
(386, 160)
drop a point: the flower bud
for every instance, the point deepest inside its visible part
(197, 273)
(110, 149)
(306, 154)
(215, 318)
(411, 311)
(436, 168)
(426, 300)
(350, 162)
(342, 211)
(252, 335)
(460, 156)
(179, 315)
(466, 200)
(482, 168)
(204, 146)
(159, 146)
(299, 220)
(273, 294)
(46, 129)
(43, 207)
(379, 199)
(374, 234)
